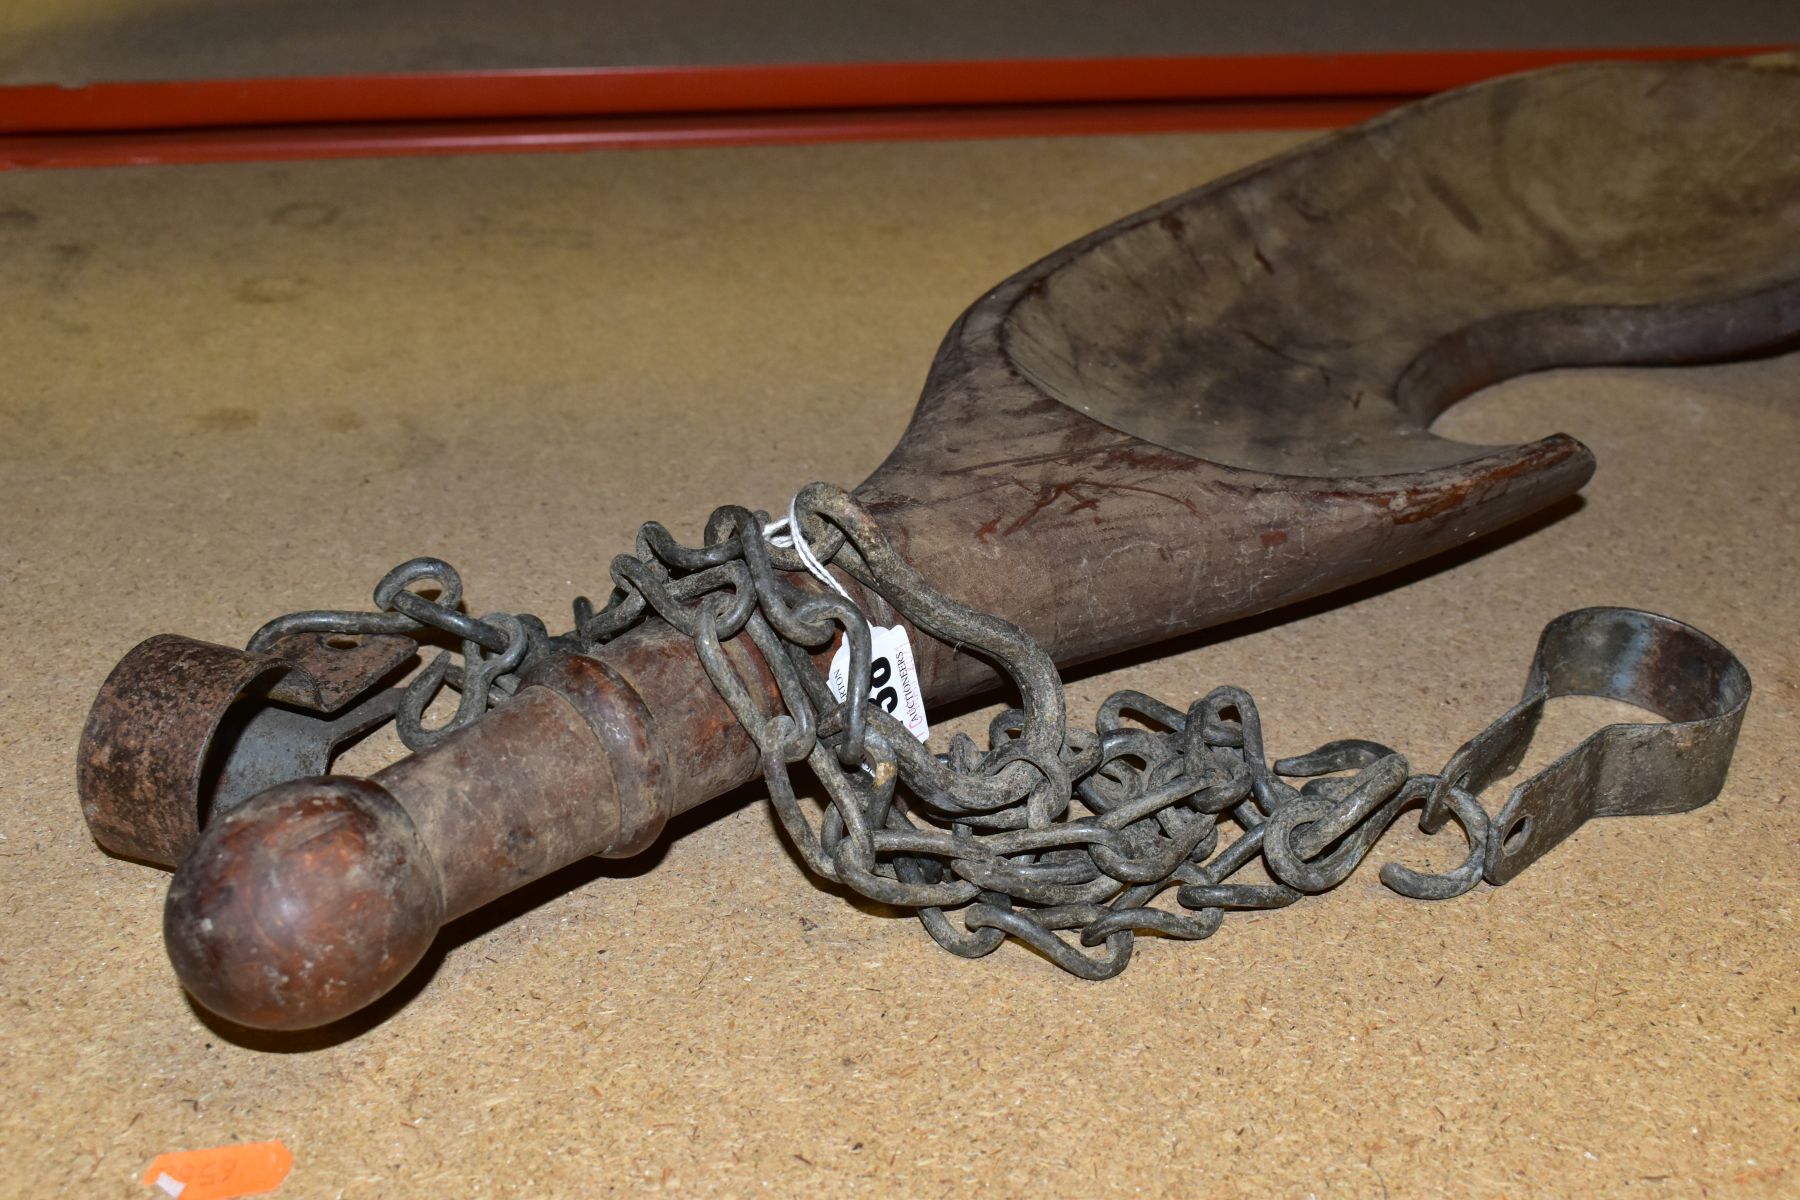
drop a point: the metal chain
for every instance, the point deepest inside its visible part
(1045, 831)
(495, 649)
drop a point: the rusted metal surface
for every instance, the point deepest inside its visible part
(1204, 411)
(169, 740)
(143, 750)
(327, 672)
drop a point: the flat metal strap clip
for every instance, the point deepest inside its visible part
(1642, 658)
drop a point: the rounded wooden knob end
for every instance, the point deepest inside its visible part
(303, 904)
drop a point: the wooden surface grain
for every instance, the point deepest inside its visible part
(234, 391)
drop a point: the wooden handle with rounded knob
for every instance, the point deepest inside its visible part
(303, 904)
(312, 899)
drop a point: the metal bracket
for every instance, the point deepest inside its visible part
(182, 730)
(1641, 658)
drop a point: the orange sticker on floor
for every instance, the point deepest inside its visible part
(221, 1173)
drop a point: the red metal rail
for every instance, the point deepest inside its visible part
(221, 120)
(144, 147)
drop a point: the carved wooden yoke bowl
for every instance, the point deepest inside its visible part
(1208, 409)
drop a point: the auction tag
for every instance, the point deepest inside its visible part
(893, 679)
(222, 1172)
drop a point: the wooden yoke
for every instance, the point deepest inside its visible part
(1206, 410)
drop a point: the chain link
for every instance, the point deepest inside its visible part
(494, 650)
(1046, 831)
